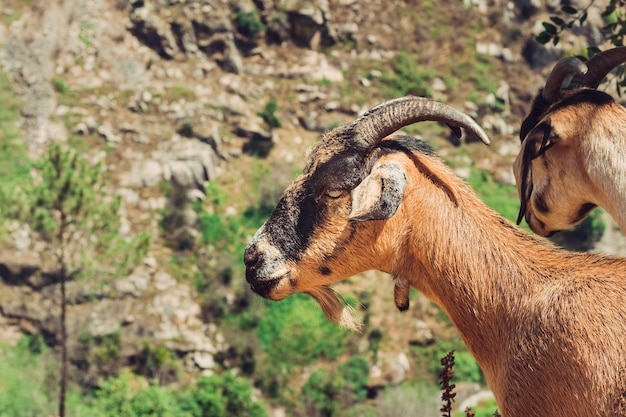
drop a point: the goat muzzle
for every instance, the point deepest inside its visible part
(261, 273)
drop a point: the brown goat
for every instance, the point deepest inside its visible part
(573, 153)
(546, 326)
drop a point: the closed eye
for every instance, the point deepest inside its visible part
(547, 141)
(334, 193)
(544, 148)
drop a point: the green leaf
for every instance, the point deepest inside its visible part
(592, 50)
(608, 11)
(550, 28)
(543, 38)
(557, 21)
(568, 10)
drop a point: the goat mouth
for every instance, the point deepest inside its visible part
(274, 287)
(539, 227)
(265, 286)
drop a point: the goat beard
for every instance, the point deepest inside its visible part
(335, 308)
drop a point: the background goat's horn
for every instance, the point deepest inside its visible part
(561, 77)
(382, 120)
(599, 66)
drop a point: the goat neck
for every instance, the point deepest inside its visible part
(516, 300)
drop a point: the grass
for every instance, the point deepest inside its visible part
(13, 9)
(408, 78)
(25, 375)
(501, 197)
(179, 92)
(14, 165)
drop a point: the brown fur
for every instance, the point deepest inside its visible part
(546, 326)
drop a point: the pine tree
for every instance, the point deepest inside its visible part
(69, 210)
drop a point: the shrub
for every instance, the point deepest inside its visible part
(25, 375)
(583, 236)
(14, 163)
(128, 395)
(60, 86)
(294, 332)
(319, 393)
(249, 24)
(98, 353)
(325, 394)
(157, 363)
(466, 368)
(268, 114)
(213, 228)
(173, 223)
(374, 338)
(354, 374)
(221, 396)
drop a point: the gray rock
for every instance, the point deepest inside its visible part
(390, 369)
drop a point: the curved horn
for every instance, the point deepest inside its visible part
(599, 66)
(382, 120)
(561, 77)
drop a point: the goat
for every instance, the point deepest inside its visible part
(546, 326)
(573, 153)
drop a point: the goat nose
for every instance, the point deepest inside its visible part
(251, 256)
(252, 260)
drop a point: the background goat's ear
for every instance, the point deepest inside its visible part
(379, 195)
(540, 139)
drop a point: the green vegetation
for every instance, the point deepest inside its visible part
(14, 163)
(268, 114)
(26, 389)
(173, 223)
(128, 395)
(290, 353)
(25, 374)
(466, 369)
(501, 197)
(294, 332)
(483, 409)
(98, 354)
(415, 399)
(60, 86)
(570, 17)
(180, 92)
(408, 78)
(328, 394)
(584, 236)
(157, 363)
(249, 24)
(71, 213)
(449, 374)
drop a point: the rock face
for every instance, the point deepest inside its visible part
(147, 307)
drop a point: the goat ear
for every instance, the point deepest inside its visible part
(539, 139)
(380, 194)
